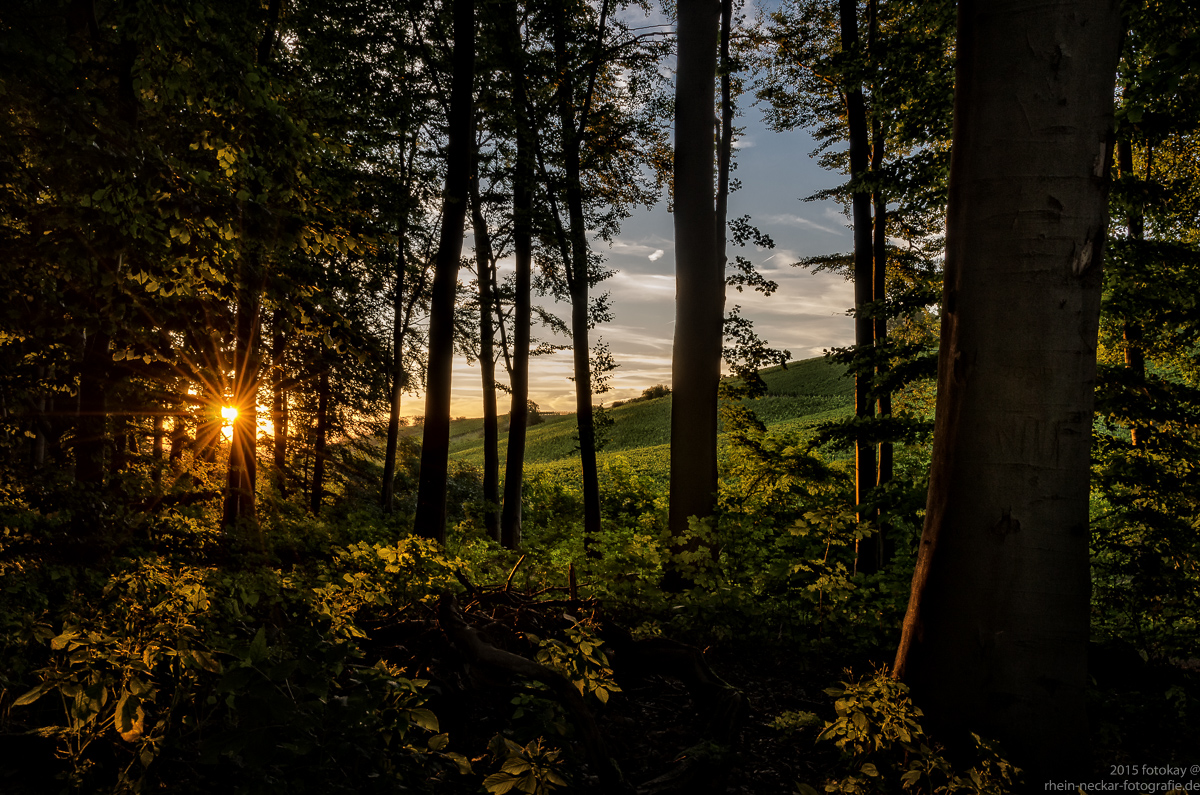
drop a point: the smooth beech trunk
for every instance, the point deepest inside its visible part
(699, 282)
(864, 327)
(871, 550)
(487, 367)
(430, 520)
(518, 416)
(279, 400)
(387, 495)
(320, 442)
(576, 263)
(995, 638)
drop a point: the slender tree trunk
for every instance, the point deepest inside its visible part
(431, 490)
(37, 453)
(387, 496)
(93, 410)
(883, 546)
(179, 440)
(996, 633)
(120, 448)
(279, 400)
(518, 416)
(158, 447)
(864, 327)
(699, 284)
(320, 448)
(487, 366)
(577, 274)
(871, 551)
(1135, 358)
(243, 449)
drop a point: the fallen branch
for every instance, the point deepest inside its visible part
(513, 573)
(479, 652)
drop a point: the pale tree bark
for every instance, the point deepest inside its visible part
(699, 282)
(430, 520)
(864, 327)
(995, 638)
(518, 416)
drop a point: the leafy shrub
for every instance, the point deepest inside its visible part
(884, 747)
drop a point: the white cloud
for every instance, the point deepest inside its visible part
(657, 255)
(636, 248)
(796, 220)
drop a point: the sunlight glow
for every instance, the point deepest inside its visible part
(229, 413)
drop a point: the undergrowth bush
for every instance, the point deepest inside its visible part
(885, 749)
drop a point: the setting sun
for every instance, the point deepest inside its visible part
(229, 413)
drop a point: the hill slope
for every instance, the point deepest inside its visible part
(804, 393)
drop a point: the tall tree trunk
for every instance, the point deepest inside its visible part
(243, 448)
(320, 442)
(1135, 358)
(430, 520)
(387, 495)
(93, 410)
(882, 546)
(120, 447)
(242, 476)
(864, 327)
(487, 366)
(37, 453)
(518, 415)
(158, 447)
(996, 633)
(179, 439)
(577, 268)
(279, 400)
(871, 555)
(699, 284)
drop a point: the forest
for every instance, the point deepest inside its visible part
(247, 548)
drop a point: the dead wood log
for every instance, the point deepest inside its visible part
(483, 654)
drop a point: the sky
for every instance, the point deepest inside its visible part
(805, 316)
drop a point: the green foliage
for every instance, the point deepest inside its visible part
(885, 749)
(656, 391)
(241, 678)
(793, 722)
(529, 769)
(580, 660)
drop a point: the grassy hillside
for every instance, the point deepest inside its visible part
(805, 393)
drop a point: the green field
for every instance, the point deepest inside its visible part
(799, 396)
